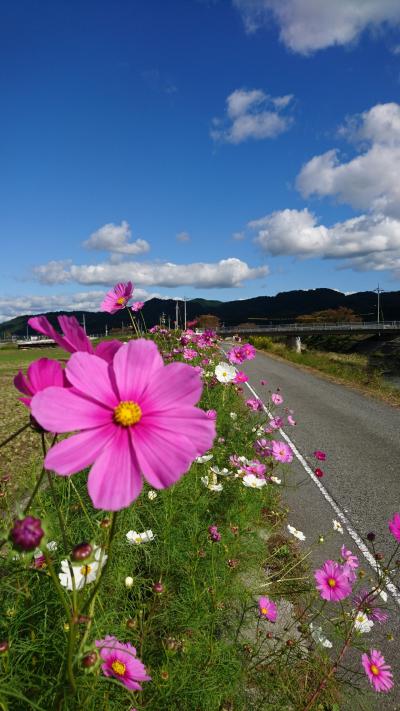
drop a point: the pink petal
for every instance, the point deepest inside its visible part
(79, 451)
(91, 375)
(45, 372)
(22, 384)
(134, 366)
(176, 382)
(115, 479)
(74, 334)
(43, 326)
(107, 350)
(61, 410)
(191, 422)
(164, 455)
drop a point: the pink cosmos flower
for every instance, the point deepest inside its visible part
(378, 672)
(349, 558)
(254, 403)
(332, 582)
(394, 526)
(281, 452)
(136, 416)
(41, 374)
(256, 467)
(321, 456)
(117, 298)
(120, 661)
(291, 420)
(248, 351)
(276, 423)
(263, 447)
(236, 355)
(240, 377)
(267, 609)
(211, 414)
(263, 382)
(137, 306)
(366, 601)
(319, 473)
(74, 337)
(277, 399)
(189, 353)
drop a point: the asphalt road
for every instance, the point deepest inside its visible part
(362, 475)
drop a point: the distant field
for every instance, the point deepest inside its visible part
(20, 456)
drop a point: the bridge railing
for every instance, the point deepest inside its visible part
(316, 326)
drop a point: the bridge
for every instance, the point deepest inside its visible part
(294, 331)
(309, 329)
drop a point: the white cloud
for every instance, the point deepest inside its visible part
(183, 237)
(251, 114)
(115, 238)
(309, 25)
(238, 236)
(226, 273)
(12, 306)
(370, 180)
(366, 242)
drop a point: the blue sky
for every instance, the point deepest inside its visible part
(221, 149)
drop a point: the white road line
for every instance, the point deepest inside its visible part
(338, 511)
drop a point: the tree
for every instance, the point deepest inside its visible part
(339, 315)
(208, 321)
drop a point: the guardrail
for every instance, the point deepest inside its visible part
(314, 327)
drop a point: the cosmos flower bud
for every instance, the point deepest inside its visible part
(89, 660)
(82, 551)
(27, 533)
(158, 588)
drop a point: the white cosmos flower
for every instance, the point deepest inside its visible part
(204, 458)
(152, 495)
(362, 623)
(253, 481)
(297, 534)
(52, 546)
(275, 479)
(84, 573)
(383, 595)
(136, 539)
(337, 526)
(316, 634)
(233, 416)
(129, 581)
(224, 372)
(220, 472)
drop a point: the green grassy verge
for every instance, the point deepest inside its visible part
(201, 638)
(347, 368)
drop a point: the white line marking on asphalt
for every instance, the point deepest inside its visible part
(339, 513)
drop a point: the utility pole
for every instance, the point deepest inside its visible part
(184, 312)
(106, 333)
(84, 322)
(176, 315)
(379, 291)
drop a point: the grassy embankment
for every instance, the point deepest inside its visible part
(201, 638)
(347, 368)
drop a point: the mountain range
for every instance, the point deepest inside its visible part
(283, 307)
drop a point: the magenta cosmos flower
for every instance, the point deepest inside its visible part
(73, 338)
(117, 298)
(365, 600)
(120, 661)
(332, 581)
(394, 526)
(321, 456)
(41, 374)
(267, 609)
(240, 377)
(137, 306)
(136, 416)
(378, 672)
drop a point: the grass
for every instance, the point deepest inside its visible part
(201, 638)
(346, 368)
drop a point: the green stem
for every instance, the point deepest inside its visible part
(104, 568)
(35, 490)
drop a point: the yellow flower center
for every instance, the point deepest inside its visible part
(121, 300)
(127, 413)
(85, 570)
(224, 374)
(264, 610)
(331, 582)
(374, 670)
(118, 667)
